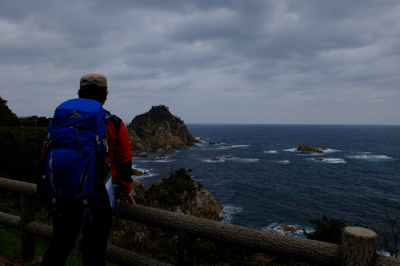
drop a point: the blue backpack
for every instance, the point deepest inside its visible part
(75, 156)
(77, 147)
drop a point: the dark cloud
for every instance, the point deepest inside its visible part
(212, 61)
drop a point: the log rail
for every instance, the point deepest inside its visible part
(359, 244)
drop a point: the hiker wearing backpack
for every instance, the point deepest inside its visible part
(87, 162)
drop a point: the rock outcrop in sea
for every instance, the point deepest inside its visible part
(305, 148)
(159, 129)
(178, 193)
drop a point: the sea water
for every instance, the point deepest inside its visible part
(263, 183)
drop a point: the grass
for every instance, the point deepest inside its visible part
(10, 246)
(10, 238)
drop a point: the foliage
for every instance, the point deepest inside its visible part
(215, 253)
(10, 246)
(10, 238)
(260, 259)
(176, 190)
(20, 152)
(147, 240)
(7, 117)
(20, 148)
(327, 230)
(390, 236)
(34, 121)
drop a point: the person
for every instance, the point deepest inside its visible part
(68, 216)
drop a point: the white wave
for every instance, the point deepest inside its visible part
(149, 174)
(164, 161)
(331, 150)
(253, 160)
(330, 160)
(230, 158)
(211, 161)
(383, 253)
(334, 160)
(325, 150)
(157, 160)
(199, 145)
(229, 212)
(270, 151)
(371, 157)
(140, 169)
(284, 161)
(225, 147)
(277, 228)
(292, 149)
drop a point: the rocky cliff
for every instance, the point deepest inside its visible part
(179, 193)
(159, 129)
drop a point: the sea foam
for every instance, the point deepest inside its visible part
(330, 160)
(284, 161)
(229, 211)
(371, 157)
(276, 228)
(270, 151)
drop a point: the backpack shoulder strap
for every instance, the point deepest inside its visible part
(114, 120)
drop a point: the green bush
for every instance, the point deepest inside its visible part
(327, 230)
(176, 190)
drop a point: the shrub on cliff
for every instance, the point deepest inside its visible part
(176, 190)
(327, 230)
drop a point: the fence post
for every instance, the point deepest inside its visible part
(359, 245)
(186, 249)
(27, 239)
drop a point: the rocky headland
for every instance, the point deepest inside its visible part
(160, 130)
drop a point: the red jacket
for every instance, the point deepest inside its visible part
(120, 154)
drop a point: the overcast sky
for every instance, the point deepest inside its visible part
(209, 61)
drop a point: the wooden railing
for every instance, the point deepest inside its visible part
(358, 248)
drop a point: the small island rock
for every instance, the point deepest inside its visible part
(288, 228)
(142, 155)
(157, 155)
(136, 172)
(305, 148)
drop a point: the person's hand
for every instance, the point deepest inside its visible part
(127, 198)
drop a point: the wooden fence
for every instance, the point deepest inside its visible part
(358, 248)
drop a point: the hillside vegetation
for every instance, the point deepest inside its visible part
(20, 152)
(7, 117)
(21, 144)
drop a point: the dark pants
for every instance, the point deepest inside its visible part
(66, 227)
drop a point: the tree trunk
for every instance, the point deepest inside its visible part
(359, 245)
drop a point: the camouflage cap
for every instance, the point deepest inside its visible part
(97, 79)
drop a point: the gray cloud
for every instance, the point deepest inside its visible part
(209, 61)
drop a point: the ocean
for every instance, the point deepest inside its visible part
(263, 183)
